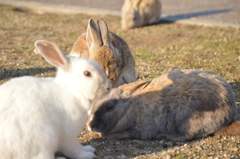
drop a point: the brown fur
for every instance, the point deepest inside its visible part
(108, 62)
(109, 50)
(232, 130)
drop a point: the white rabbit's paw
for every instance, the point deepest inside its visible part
(89, 148)
(87, 155)
(60, 157)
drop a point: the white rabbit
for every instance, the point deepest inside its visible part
(40, 116)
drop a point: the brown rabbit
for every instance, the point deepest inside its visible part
(180, 106)
(109, 50)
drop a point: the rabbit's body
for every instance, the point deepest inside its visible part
(40, 116)
(110, 51)
(137, 13)
(182, 105)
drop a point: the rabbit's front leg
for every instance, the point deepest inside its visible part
(89, 148)
(74, 149)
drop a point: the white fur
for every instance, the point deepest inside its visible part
(40, 116)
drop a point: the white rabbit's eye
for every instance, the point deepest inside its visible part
(87, 73)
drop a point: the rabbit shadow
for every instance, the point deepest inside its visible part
(162, 97)
(5, 74)
(194, 14)
(173, 18)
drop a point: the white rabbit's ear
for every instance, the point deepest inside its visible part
(93, 37)
(51, 53)
(103, 29)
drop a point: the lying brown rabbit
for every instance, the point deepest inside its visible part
(180, 106)
(109, 50)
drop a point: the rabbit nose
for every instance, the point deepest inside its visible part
(109, 87)
(92, 126)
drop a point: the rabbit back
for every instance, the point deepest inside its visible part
(124, 61)
(182, 105)
(199, 103)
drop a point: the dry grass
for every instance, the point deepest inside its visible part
(157, 49)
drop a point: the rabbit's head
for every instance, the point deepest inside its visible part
(83, 78)
(115, 111)
(101, 48)
(109, 50)
(108, 113)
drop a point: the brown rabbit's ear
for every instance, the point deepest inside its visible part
(135, 86)
(93, 37)
(103, 29)
(51, 53)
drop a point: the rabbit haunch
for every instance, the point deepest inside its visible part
(109, 50)
(181, 105)
(40, 116)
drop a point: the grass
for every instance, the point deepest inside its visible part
(157, 49)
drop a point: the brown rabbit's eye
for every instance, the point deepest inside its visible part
(87, 73)
(109, 107)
